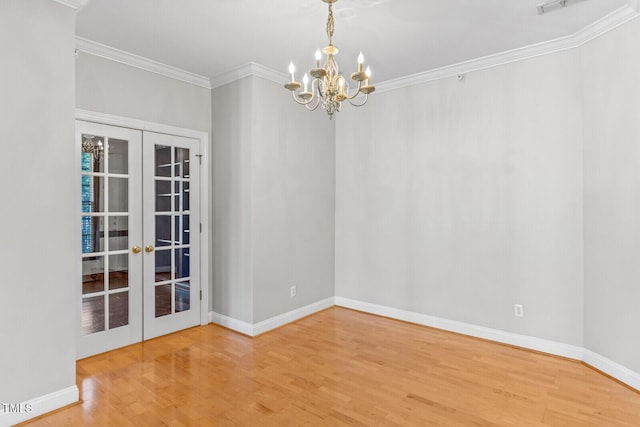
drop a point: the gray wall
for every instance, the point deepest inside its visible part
(611, 66)
(110, 87)
(38, 302)
(273, 201)
(460, 199)
(293, 160)
(232, 197)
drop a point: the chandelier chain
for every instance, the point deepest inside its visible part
(330, 24)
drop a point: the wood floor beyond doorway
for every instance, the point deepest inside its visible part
(340, 368)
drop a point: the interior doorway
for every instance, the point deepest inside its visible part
(141, 235)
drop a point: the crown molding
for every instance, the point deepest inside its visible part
(250, 69)
(592, 31)
(108, 52)
(609, 22)
(73, 4)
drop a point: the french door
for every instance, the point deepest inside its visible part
(140, 259)
(172, 223)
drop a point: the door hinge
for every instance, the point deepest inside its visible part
(201, 227)
(200, 294)
(199, 156)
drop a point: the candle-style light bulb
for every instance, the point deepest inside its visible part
(318, 58)
(305, 80)
(292, 69)
(360, 61)
(341, 85)
(368, 73)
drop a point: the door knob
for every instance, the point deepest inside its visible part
(148, 248)
(136, 249)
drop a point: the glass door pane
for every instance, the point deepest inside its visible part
(105, 183)
(170, 260)
(108, 211)
(170, 284)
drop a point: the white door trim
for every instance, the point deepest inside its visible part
(125, 122)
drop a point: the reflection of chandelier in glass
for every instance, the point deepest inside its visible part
(329, 87)
(92, 147)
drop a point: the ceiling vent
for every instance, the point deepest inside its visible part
(552, 5)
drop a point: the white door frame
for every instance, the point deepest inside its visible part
(203, 137)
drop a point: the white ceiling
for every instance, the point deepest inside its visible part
(398, 37)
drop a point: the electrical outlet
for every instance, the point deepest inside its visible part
(518, 310)
(294, 291)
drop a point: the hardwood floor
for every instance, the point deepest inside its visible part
(340, 368)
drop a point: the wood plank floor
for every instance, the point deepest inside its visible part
(340, 368)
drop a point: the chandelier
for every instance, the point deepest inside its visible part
(329, 87)
(95, 148)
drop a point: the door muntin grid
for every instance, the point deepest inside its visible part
(105, 233)
(172, 287)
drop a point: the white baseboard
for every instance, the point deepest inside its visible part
(272, 323)
(599, 362)
(231, 323)
(613, 369)
(23, 411)
(532, 343)
(292, 316)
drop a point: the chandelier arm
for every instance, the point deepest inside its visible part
(349, 98)
(316, 82)
(295, 98)
(315, 107)
(315, 96)
(366, 98)
(358, 92)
